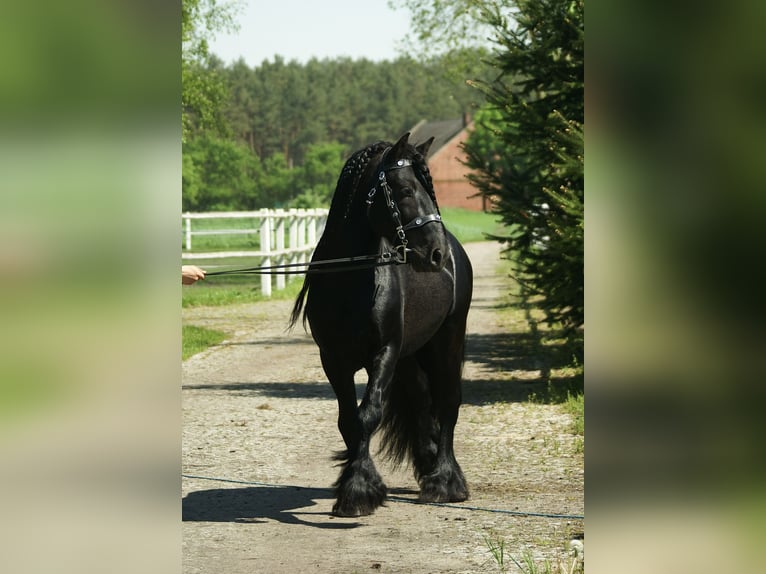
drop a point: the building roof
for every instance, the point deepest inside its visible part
(442, 132)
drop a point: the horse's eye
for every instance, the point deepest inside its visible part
(406, 192)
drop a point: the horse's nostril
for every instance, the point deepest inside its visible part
(436, 256)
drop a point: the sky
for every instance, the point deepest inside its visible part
(302, 29)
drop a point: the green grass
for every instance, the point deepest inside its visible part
(196, 339)
(575, 406)
(496, 547)
(470, 226)
(526, 563)
(529, 566)
(234, 289)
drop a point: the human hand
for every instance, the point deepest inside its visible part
(191, 273)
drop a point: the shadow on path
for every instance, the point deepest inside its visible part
(531, 361)
(257, 505)
(281, 390)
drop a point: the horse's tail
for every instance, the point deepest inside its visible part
(409, 431)
(298, 306)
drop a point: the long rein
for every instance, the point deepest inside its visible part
(396, 256)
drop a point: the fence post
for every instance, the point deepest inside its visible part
(188, 233)
(293, 245)
(265, 248)
(312, 223)
(301, 239)
(280, 245)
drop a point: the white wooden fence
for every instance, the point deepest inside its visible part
(286, 236)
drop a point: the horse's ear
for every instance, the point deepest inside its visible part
(399, 147)
(425, 146)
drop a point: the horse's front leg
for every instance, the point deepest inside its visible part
(442, 479)
(360, 489)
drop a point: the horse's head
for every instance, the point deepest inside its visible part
(401, 205)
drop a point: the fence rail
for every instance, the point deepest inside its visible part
(284, 236)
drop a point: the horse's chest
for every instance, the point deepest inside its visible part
(427, 300)
(415, 307)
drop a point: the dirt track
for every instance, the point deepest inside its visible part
(258, 409)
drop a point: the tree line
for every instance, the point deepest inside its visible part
(284, 129)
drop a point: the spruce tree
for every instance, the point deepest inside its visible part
(533, 170)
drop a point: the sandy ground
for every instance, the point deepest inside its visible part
(258, 409)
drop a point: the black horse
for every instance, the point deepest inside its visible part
(403, 323)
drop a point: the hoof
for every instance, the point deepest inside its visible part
(360, 502)
(444, 487)
(360, 491)
(345, 509)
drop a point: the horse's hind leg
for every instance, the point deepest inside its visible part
(410, 428)
(444, 482)
(359, 489)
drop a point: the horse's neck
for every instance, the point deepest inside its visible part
(356, 238)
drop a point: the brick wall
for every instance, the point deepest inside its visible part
(448, 174)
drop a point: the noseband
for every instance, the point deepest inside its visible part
(396, 216)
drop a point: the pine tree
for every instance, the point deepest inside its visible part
(534, 169)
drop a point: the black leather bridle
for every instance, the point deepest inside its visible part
(396, 216)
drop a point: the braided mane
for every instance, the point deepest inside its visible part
(351, 175)
(347, 194)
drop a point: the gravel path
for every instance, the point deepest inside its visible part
(258, 409)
